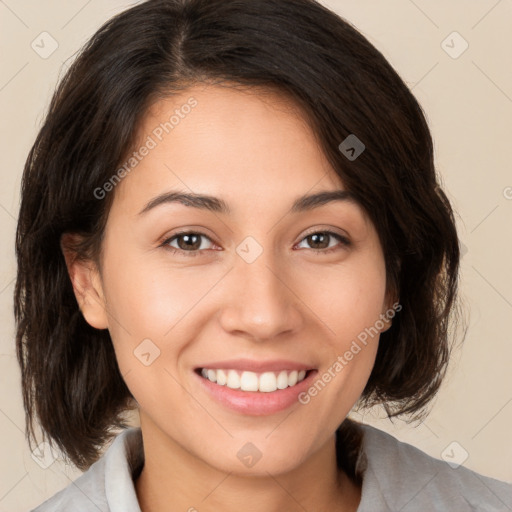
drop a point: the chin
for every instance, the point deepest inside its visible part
(249, 459)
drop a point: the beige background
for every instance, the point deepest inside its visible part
(468, 102)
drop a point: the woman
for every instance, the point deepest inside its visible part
(231, 222)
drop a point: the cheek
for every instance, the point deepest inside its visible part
(351, 303)
(149, 299)
(349, 298)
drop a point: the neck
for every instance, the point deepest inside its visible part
(174, 479)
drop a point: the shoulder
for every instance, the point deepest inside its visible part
(399, 476)
(86, 493)
(107, 486)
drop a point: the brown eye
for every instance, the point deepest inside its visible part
(189, 243)
(319, 241)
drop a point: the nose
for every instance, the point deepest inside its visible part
(259, 300)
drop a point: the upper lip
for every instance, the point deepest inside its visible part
(257, 366)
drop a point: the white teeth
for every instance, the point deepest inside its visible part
(233, 381)
(222, 378)
(283, 381)
(250, 381)
(268, 382)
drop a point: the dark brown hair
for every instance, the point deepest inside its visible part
(70, 377)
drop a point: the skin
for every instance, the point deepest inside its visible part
(254, 150)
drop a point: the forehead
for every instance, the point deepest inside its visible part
(246, 145)
(223, 116)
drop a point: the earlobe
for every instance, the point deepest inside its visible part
(87, 285)
(387, 324)
(389, 313)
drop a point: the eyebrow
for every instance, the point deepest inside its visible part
(217, 205)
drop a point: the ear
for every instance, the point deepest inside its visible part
(391, 307)
(86, 281)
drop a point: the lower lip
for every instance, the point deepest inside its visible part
(256, 403)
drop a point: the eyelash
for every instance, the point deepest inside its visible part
(345, 242)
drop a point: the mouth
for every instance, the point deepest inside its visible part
(254, 382)
(252, 393)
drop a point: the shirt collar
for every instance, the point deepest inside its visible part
(125, 460)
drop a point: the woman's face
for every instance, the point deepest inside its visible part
(260, 282)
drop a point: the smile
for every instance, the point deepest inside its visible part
(266, 382)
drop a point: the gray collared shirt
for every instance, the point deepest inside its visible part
(396, 477)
